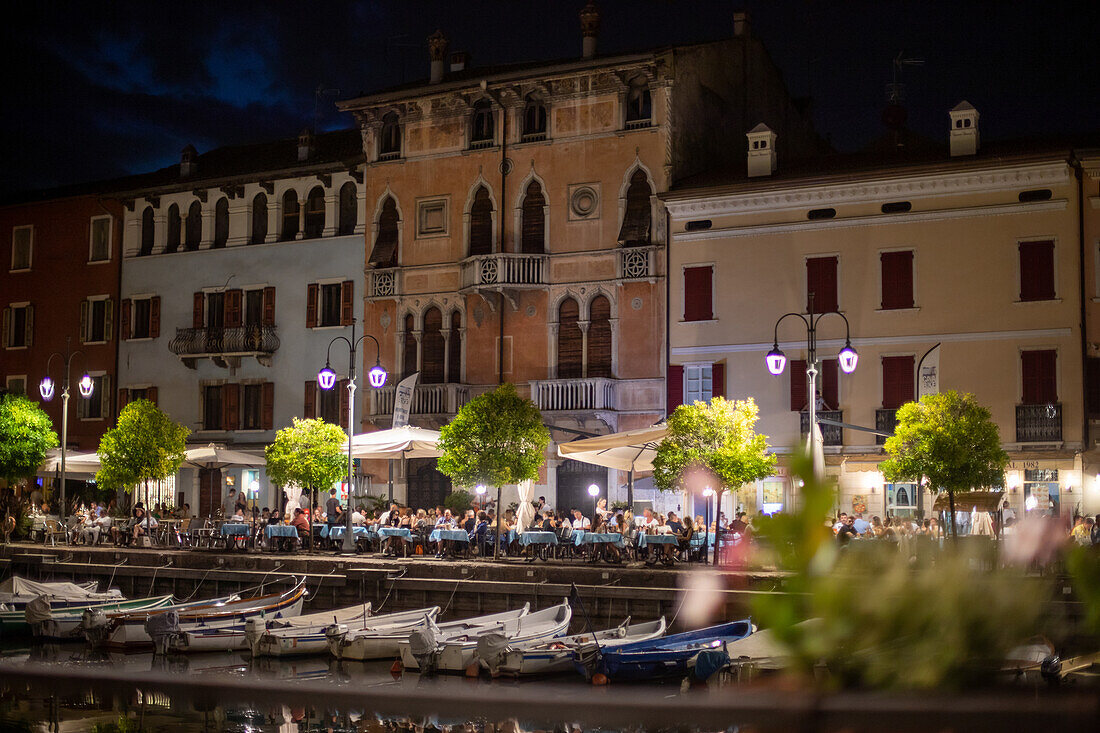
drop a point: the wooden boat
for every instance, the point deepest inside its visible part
(670, 656)
(16, 592)
(63, 624)
(529, 659)
(427, 639)
(243, 635)
(380, 637)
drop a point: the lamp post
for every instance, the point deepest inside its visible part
(46, 389)
(707, 493)
(326, 379)
(594, 492)
(777, 360)
(480, 491)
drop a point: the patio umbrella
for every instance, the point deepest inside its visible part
(212, 456)
(77, 464)
(630, 451)
(407, 441)
(525, 512)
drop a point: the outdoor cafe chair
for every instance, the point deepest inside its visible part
(52, 531)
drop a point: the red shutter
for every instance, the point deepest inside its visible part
(897, 280)
(269, 307)
(1040, 380)
(1092, 385)
(151, 394)
(267, 418)
(675, 387)
(717, 380)
(233, 308)
(309, 407)
(124, 320)
(231, 406)
(197, 320)
(342, 385)
(123, 398)
(828, 383)
(797, 368)
(311, 305)
(897, 381)
(1036, 270)
(821, 281)
(347, 302)
(698, 283)
(154, 317)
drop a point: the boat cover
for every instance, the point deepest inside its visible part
(16, 588)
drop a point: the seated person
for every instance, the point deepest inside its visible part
(546, 523)
(143, 523)
(580, 521)
(300, 522)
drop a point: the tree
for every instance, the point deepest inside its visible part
(950, 439)
(145, 446)
(26, 434)
(496, 438)
(307, 454)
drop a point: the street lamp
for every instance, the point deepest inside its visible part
(46, 389)
(707, 493)
(480, 491)
(326, 379)
(594, 492)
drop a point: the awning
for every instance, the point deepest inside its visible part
(404, 442)
(632, 450)
(211, 456)
(76, 463)
(983, 501)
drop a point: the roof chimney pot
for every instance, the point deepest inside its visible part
(437, 50)
(741, 23)
(188, 161)
(590, 29)
(963, 136)
(761, 151)
(305, 145)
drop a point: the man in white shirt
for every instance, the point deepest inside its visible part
(580, 521)
(384, 520)
(647, 521)
(357, 517)
(446, 521)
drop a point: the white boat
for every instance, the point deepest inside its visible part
(64, 624)
(525, 659)
(243, 635)
(16, 592)
(380, 637)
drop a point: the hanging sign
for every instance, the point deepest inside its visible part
(928, 373)
(402, 401)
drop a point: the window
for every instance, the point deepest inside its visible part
(194, 227)
(481, 223)
(1040, 376)
(21, 244)
(821, 290)
(534, 220)
(481, 125)
(897, 280)
(816, 214)
(698, 383)
(389, 140)
(327, 304)
(140, 318)
(174, 228)
(432, 346)
(1037, 270)
(570, 340)
(99, 248)
(148, 232)
(1042, 483)
(903, 500)
(18, 326)
(638, 216)
(534, 119)
(698, 293)
(16, 384)
(409, 352)
(431, 218)
(1092, 385)
(96, 320)
(215, 310)
(315, 213)
(828, 385)
(599, 337)
(252, 407)
(212, 407)
(259, 219)
(384, 253)
(254, 307)
(897, 381)
(1036, 194)
(331, 405)
(454, 349)
(126, 396)
(290, 216)
(896, 207)
(349, 209)
(221, 223)
(98, 405)
(639, 110)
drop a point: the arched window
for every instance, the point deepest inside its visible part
(409, 366)
(221, 222)
(315, 213)
(481, 223)
(638, 217)
(569, 340)
(349, 208)
(174, 226)
(454, 349)
(194, 227)
(599, 338)
(259, 219)
(534, 119)
(290, 216)
(481, 125)
(639, 104)
(534, 220)
(431, 341)
(389, 139)
(384, 253)
(148, 232)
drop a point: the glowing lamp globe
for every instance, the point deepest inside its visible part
(480, 490)
(708, 492)
(848, 358)
(45, 387)
(593, 490)
(776, 360)
(376, 376)
(326, 378)
(86, 386)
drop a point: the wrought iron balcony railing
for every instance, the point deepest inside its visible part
(885, 420)
(830, 434)
(1039, 423)
(240, 340)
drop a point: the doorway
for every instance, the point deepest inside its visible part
(210, 491)
(427, 486)
(574, 478)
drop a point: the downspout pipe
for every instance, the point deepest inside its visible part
(1078, 171)
(503, 202)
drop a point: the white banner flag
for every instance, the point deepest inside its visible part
(402, 401)
(928, 378)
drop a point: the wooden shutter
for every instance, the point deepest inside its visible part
(311, 305)
(1040, 381)
(347, 302)
(105, 400)
(698, 294)
(481, 223)
(829, 383)
(342, 385)
(821, 281)
(30, 326)
(569, 340)
(7, 328)
(233, 300)
(431, 343)
(717, 380)
(638, 217)
(154, 317)
(309, 406)
(454, 347)
(124, 319)
(897, 381)
(83, 321)
(599, 338)
(197, 320)
(897, 280)
(108, 319)
(123, 398)
(1092, 385)
(231, 406)
(267, 414)
(151, 394)
(797, 369)
(1036, 270)
(674, 384)
(533, 239)
(269, 307)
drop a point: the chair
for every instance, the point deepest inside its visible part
(52, 531)
(203, 535)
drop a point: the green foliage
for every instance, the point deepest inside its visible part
(376, 503)
(718, 437)
(124, 725)
(307, 454)
(1083, 564)
(146, 445)
(26, 434)
(495, 439)
(458, 501)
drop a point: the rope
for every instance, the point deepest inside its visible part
(683, 597)
(457, 584)
(393, 582)
(269, 572)
(154, 580)
(196, 590)
(113, 569)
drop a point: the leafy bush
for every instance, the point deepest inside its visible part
(458, 501)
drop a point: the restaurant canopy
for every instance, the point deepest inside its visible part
(76, 463)
(212, 456)
(965, 501)
(632, 450)
(404, 442)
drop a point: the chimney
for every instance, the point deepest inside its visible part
(590, 29)
(740, 23)
(188, 161)
(437, 49)
(305, 145)
(761, 151)
(963, 136)
(460, 60)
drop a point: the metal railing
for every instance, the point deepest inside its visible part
(237, 340)
(1039, 423)
(885, 420)
(428, 399)
(594, 393)
(533, 137)
(830, 434)
(481, 144)
(636, 262)
(639, 124)
(504, 269)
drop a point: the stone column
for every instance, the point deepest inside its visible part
(240, 222)
(160, 233)
(583, 326)
(274, 218)
(301, 220)
(206, 238)
(361, 211)
(332, 214)
(446, 333)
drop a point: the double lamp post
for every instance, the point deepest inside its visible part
(46, 389)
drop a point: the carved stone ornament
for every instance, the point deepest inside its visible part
(636, 304)
(385, 320)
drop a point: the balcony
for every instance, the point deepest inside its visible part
(637, 263)
(504, 272)
(1039, 423)
(225, 346)
(595, 393)
(830, 434)
(383, 283)
(428, 399)
(886, 421)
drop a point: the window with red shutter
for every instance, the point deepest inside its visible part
(797, 369)
(897, 280)
(599, 337)
(1040, 377)
(123, 398)
(154, 317)
(342, 418)
(231, 404)
(233, 302)
(821, 283)
(675, 387)
(151, 394)
(347, 302)
(828, 383)
(1036, 270)
(718, 380)
(311, 305)
(269, 306)
(124, 322)
(198, 302)
(267, 418)
(569, 340)
(309, 405)
(698, 293)
(898, 386)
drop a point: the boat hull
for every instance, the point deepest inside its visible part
(671, 656)
(557, 658)
(64, 625)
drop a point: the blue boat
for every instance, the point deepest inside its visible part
(699, 653)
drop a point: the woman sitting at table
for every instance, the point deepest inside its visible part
(300, 522)
(143, 523)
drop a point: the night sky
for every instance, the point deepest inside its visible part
(99, 90)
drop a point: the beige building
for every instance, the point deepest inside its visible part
(972, 247)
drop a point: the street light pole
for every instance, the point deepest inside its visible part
(46, 389)
(326, 378)
(707, 493)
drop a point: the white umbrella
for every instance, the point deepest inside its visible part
(525, 512)
(212, 456)
(404, 442)
(631, 450)
(76, 464)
